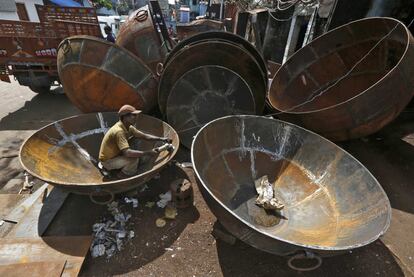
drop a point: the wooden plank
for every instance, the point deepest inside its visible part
(40, 215)
(39, 269)
(47, 249)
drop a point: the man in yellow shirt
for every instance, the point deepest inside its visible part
(115, 152)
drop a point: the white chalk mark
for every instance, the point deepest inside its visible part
(72, 139)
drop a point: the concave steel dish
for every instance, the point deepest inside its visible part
(139, 35)
(100, 76)
(216, 92)
(218, 53)
(219, 36)
(349, 82)
(332, 202)
(65, 153)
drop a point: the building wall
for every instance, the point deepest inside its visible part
(30, 7)
(8, 15)
(8, 10)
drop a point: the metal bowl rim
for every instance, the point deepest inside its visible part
(103, 184)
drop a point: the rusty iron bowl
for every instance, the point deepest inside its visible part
(219, 36)
(65, 153)
(332, 202)
(215, 53)
(191, 104)
(139, 35)
(100, 76)
(349, 82)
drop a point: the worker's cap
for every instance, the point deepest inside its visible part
(127, 109)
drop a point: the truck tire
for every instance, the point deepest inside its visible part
(40, 89)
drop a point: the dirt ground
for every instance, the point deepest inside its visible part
(185, 246)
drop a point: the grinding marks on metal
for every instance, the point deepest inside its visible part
(206, 93)
(65, 153)
(332, 203)
(72, 139)
(100, 76)
(349, 82)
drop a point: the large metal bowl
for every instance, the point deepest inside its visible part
(350, 82)
(332, 202)
(139, 35)
(99, 76)
(65, 153)
(218, 36)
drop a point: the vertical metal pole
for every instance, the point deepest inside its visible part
(290, 36)
(221, 10)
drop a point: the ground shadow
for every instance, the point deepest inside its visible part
(41, 110)
(389, 156)
(78, 215)
(372, 260)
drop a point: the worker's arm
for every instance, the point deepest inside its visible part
(142, 135)
(123, 145)
(130, 153)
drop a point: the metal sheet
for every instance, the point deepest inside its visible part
(206, 93)
(39, 269)
(37, 219)
(48, 249)
(65, 153)
(100, 76)
(350, 82)
(332, 202)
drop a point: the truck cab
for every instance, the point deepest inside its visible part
(30, 33)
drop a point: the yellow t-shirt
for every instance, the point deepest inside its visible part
(114, 141)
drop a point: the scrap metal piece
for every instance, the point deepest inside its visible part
(100, 76)
(267, 195)
(185, 30)
(182, 193)
(349, 82)
(65, 153)
(206, 93)
(160, 222)
(332, 202)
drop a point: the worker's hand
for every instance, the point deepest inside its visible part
(166, 140)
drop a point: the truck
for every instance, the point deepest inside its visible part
(28, 50)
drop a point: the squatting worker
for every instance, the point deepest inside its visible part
(115, 152)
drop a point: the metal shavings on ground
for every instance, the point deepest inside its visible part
(160, 222)
(164, 199)
(144, 188)
(134, 201)
(110, 235)
(170, 212)
(266, 195)
(149, 204)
